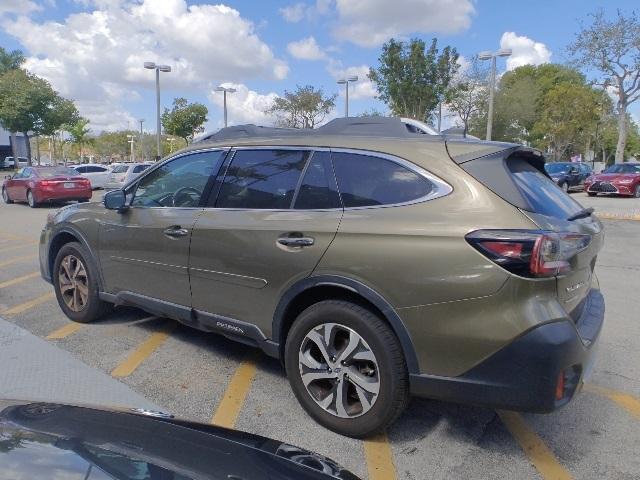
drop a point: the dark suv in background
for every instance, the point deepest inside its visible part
(373, 261)
(569, 176)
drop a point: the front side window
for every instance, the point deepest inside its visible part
(367, 180)
(262, 179)
(179, 182)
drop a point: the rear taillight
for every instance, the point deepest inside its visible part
(45, 183)
(529, 253)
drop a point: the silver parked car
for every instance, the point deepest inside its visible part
(123, 173)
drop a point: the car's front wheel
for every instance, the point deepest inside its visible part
(5, 196)
(346, 368)
(76, 285)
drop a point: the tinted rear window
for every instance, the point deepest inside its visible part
(542, 194)
(318, 190)
(140, 168)
(55, 171)
(120, 169)
(262, 179)
(366, 180)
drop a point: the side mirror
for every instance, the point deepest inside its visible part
(115, 200)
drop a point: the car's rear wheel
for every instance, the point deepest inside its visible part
(76, 286)
(565, 187)
(346, 368)
(636, 192)
(31, 200)
(5, 196)
(591, 194)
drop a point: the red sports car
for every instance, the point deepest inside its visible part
(618, 179)
(37, 185)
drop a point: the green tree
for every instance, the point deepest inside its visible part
(468, 95)
(412, 79)
(185, 119)
(79, 132)
(10, 60)
(24, 101)
(304, 108)
(567, 119)
(612, 48)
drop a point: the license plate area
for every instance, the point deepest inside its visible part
(69, 185)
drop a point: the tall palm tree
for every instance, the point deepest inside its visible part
(10, 60)
(79, 132)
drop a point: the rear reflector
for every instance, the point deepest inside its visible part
(560, 386)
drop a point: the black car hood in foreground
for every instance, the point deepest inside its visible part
(47, 440)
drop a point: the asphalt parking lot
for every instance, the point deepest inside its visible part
(208, 378)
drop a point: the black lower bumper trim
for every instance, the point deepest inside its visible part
(523, 375)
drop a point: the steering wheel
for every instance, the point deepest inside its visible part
(185, 192)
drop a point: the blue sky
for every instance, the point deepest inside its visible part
(92, 50)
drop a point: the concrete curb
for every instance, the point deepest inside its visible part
(618, 216)
(34, 369)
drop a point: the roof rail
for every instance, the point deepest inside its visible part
(359, 126)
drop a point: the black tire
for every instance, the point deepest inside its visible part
(636, 192)
(93, 308)
(31, 200)
(83, 200)
(392, 375)
(565, 187)
(591, 194)
(5, 196)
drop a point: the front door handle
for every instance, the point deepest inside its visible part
(176, 231)
(296, 241)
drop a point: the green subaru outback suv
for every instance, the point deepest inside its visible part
(374, 261)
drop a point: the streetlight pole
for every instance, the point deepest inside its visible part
(132, 156)
(158, 69)
(224, 91)
(345, 82)
(140, 140)
(487, 55)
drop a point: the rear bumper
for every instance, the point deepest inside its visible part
(62, 195)
(524, 374)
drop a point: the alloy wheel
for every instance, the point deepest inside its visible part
(637, 191)
(73, 283)
(565, 187)
(339, 370)
(30, 199)
(5, 195)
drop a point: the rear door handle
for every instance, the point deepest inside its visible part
(296, 241)
(176, 231)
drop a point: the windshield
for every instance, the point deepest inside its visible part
(48, 172)
(552, 168)
(120, 169)
(622, 168)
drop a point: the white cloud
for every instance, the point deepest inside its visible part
(19, 7)
(98, 55)
(369, 23)
(298, 11)
(293, 13)
(306, 49)
(363, 88)
(525, 50)
(245, 105)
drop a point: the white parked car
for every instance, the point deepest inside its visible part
(123, 173)
(9, 162)
(97, 174)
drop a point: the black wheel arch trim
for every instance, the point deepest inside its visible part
(67, 229)
(365, 292)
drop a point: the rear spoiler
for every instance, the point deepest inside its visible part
(493, 164)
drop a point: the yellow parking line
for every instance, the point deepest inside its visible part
(379, 457)
(141, 353)
(17, 247)
(13, 281)
(23, 307)
(534, 448)
(65, 331)
(16, 260)
(227, 412)
(626, 401)
(615, 216)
